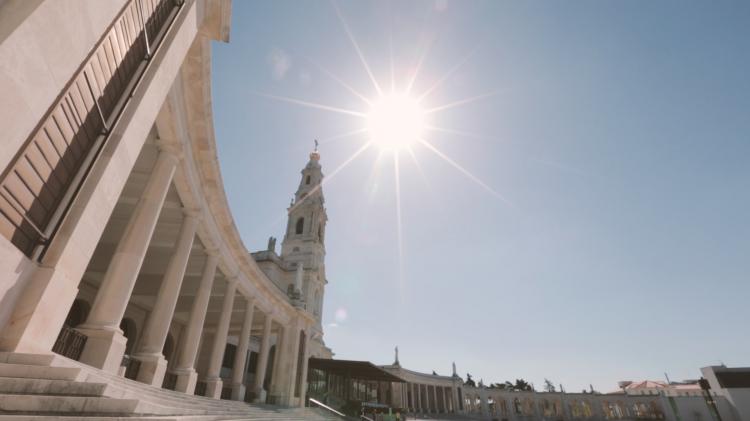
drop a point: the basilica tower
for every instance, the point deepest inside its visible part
(303, 242)
(307, 218)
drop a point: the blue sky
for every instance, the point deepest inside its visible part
(618, 134)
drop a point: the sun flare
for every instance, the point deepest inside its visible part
(395, 121)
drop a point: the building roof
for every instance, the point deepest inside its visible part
(363, 370)
(646, 384)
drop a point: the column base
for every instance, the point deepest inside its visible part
(238, 392)
(104, 348)
(152, 370)
(213, 388)
(186, 380)
(260, 396)
(283, 400)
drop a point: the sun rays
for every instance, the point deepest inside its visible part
(396, 121)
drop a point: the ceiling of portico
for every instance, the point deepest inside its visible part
(160, 250)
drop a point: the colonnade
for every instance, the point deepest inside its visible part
(427, 398)
(157, 156)
(105, 344)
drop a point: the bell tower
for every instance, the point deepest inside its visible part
(307, 217)
(304, 240)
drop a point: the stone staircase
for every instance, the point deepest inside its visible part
(49, 386)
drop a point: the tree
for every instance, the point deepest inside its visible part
(549, 386)
(522, 386)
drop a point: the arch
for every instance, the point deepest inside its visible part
(316, 302)
(269, 367)
(307, 180)
(300, 361)
(129, 330)
(78, 313)
(168, 347)
(517, 406)
(300, 226)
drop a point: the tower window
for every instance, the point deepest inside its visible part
(307, 180)
(300, 226)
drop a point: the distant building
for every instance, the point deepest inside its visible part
(651, 387)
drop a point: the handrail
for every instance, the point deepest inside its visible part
(39, 185)
(326, 407)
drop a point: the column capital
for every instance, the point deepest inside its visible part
(212, 251)
(194, 213)
(233, 280)
(169, 149)
(250, 300)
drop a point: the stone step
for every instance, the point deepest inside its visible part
(50, 386)
(26, 386)
(28, 359)
(121, 387)
(39, 417)
(68, 404)
(40, 372)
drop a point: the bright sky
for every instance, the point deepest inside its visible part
(616, 136)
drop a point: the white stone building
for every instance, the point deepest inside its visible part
(125, 288)
(122, 273)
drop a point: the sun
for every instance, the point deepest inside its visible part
(395, 121)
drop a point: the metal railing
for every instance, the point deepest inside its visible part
(200, 388)
(326, 407)
(40, 183)
(170, 381)
(69, 343)
(132, 366)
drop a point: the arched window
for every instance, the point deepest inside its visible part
(316, 303)
(300, 226)
(307, 180)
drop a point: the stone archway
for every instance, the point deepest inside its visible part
(130, 331)
(70, 342)
(269, 368)
(168, 349)
(78, 313)
(300, 363)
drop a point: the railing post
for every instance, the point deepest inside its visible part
(96, 103)
(145, 29)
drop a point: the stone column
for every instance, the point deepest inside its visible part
(303, 377)
(240, 357)
(213, 375)
(445, 400)
(153, 365)
(283, 384)
(105, 345)
(260, 369)
(276, 375)
(419, 397)
(185, 369)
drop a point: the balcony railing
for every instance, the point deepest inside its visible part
(69, 343)
(170, 381)
(132, 366)
(200, 388)
(38, 186)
